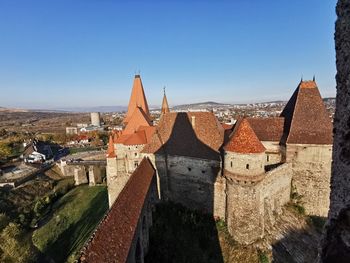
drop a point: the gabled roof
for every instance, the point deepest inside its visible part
(244, 139)
(110, 150)
(267, 129)
(193, 134)
(139, 118)
(137, 99)
(306, 118)
(112, 240)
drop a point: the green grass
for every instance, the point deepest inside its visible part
(84, 149)
(76, 215)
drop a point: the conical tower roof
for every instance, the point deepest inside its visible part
(137, 99)
(110, 150)
(244, 139)
(138, 118)
(306, 118)
(165, 105)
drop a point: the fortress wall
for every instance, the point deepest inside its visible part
(117, 177)
(140, 243)
(311, 166)
(132, 155)
(245, 215)
(237, 163)
(273, 152)
(252, 208)
(193, 182)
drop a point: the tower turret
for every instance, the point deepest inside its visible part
(165, 105)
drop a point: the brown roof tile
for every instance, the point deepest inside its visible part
(113, 238)
(137, 99)
(243, 139)
(138, 118)
(306, 118)
(110, 150)
(175, 135)
(267, 129)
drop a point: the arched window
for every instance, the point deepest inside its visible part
(247, 166)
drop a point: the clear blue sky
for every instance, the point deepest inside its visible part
(85, 52)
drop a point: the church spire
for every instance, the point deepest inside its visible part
(165, 105)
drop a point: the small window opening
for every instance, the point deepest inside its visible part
(268, 158)
(136, 164)
(247, 166)
(231, 163)
(189, 169)
(203, 172)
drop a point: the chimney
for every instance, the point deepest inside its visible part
(193, 121)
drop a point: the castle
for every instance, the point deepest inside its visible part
(243, 173)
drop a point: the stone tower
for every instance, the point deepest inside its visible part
(244, 163)
(307, 144)
(116, 173)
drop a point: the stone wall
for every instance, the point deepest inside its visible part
(273, 152)
(80, 175)
(311, 165)
(140, 243)
(336, 247)
(195, 183)
(131, 154)
(117, 177)
(252, 208)
(245, 164)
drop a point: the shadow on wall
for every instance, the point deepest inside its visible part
(337, 231)
(182, 235)
(187, 166)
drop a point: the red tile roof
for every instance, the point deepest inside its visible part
(137, 138)
(113, 238)
(243, 139)
(138, 118)
(110, 150)
(137, 99)
(175, 135)
(267, 129)
(306, 118)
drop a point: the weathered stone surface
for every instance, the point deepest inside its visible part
(95, 175)
(80, 176)
(311, 165)
(336, 243)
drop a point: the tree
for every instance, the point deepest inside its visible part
(5, 151)
(15, 246)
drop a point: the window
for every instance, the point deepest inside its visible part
(267, 158)
(231, 163)
(203, 172)
(189, 169)
(247, 166)
(135, 154)
(136, 164)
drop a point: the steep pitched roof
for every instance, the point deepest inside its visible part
(267, 129)
(244, 139)
(138, 118)
(306, 118)
(110, 150)
(193, 134)
(165, 105)
(137, 99)
(137, 138)
(113, 238)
